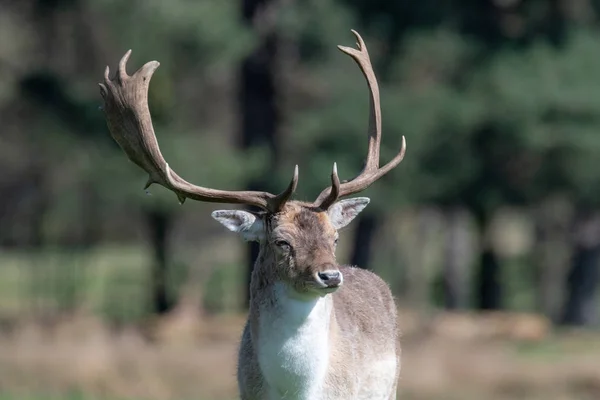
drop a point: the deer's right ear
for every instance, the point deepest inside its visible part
(250, 226)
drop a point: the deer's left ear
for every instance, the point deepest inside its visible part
(343, 212)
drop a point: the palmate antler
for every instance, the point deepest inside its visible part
(371, 171)
(130, 124)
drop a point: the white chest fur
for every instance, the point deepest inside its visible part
(293, 345)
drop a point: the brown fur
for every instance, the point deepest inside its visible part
(363, 323)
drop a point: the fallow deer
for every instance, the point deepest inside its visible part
(316, 330)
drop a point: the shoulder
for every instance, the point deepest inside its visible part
(355, 276)
(365, 303)
(364, 286)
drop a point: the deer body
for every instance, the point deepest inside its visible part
(300, 350)
(316, 330)
(303, 342)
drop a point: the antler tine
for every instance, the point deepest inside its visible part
(276, 204)
(335, 189)
(122, 70)
(130, 124)
(361, 56)
(371, 171)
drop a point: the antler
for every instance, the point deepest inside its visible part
(371, 171)
(130, 124)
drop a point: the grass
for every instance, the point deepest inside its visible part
(82, 357)
(61, 279)
(67, 396)
(110, 281)
(86, 360)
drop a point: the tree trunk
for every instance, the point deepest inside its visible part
(39, 207)
(38, 210)
(363, 240)
(582, 283)
(487, 141)
(257, 102)
(159, 224)
(421, 271)
(488, 284)
(552, 255)
(455, 279)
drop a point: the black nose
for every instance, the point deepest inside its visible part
(331, 278)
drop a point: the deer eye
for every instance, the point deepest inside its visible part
(282, 244)
(335, 242)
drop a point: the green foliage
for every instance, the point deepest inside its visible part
(221, 289)
(550, 99)
(499, 104)
(203, 31)
(439, 87)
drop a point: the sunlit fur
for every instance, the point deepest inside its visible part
(303, 341)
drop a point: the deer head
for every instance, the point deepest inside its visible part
(298, 238)
(298, 242)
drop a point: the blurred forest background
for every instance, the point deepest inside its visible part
(488, 232)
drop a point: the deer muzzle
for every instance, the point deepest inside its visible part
(329, 278)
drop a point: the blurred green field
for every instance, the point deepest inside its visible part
(109, 281)
(112, 281)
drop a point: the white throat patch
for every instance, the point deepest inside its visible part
(293, 344)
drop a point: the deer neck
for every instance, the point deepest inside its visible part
(268, 286)
(291, 333)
